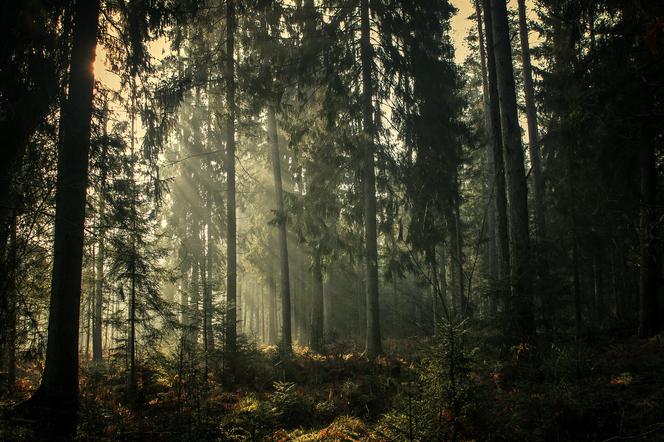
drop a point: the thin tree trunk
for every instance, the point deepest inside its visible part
(209, 335)
(442, 279)
(492, 251)
(317, 311)
(502, 237)
(373, 340)
(533, 133)
(195, 290)
(89, 302)
(453, 285)
(435, 286)
(458, 252)
(327, 302)
(132, 385)
(12, 306)
(231, 240)
(649, 320)
(598, 279)
(101, 255)
(576, 277)
(206, 313)
(204, 291)
(272, 314)
(184, 293)
(286, 339)
(99, 286)
(59, 386)
(515, 177)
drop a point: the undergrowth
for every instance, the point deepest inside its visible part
(451, 387)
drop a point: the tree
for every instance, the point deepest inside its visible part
(33, 59)
(280, 217)
(59, 386)
(101, 252)
(533, 132)
(492, 250)
(500, 201)
(231, 240)
(649, 316)
(515, 178)
(373, 341)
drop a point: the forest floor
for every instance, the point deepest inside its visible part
(606, 388)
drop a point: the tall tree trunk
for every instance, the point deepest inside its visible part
(132, 383)
(649, 320)
(459, 302)
(536, 170)
(502, 237)
(231, 240)
(442, 280)
(598, 279)
(515, 177)
(209, 335)
(286, 339)
(98, 300)
(327, 301)
(533, 132)
(373, 341)
(435, 287)
(272, 312)
(195, 291)
(101, 255)
(91, 296)
(12, 305)
(59, 386)
(576, 277)
(317, 310)
(206, 313)
(458, 252)
(492, 250)
(8, 211)
(452, 285)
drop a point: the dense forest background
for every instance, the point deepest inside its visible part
(311, 220)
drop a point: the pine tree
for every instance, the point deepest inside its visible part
(59, 386)
(515, 178)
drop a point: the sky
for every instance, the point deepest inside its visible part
(460, 27)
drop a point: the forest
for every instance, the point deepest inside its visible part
(331, 220)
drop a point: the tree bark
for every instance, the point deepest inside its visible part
(195, 290)
(272, 313)
(492, 250)
(373, 340)
(502, 237)
(533, 132)
(442, 280)
(286, 339)
(576, 276)
(458, 252)
(459, 301)
(101, 255)
(209, 335)
(59, 386)
(231, 240)
(317, 310)
(132, 383)
(327, 301)
(12, 305)
(649, 320)
(515, 177)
